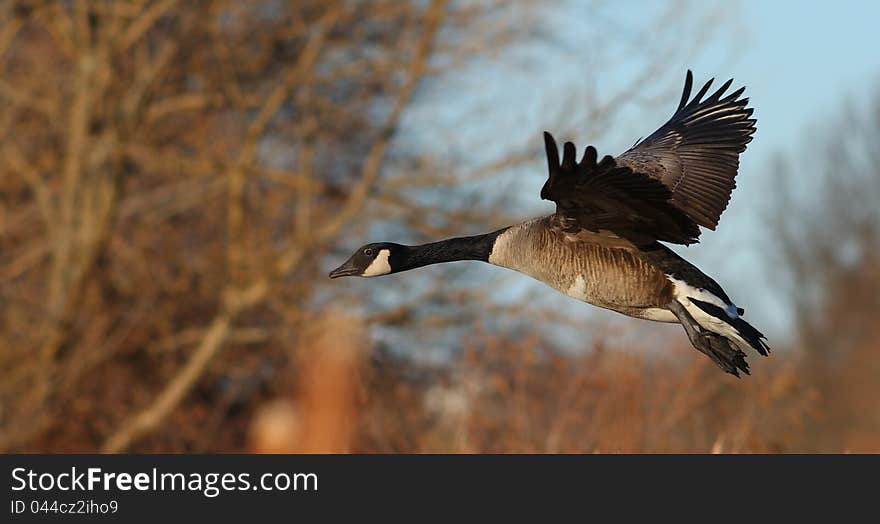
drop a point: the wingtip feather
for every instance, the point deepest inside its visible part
(686, 92)
(568, 155)
(552, 151)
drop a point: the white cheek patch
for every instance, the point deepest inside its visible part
(379, 266)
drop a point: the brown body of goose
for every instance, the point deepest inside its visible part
(603, 244)
(600, 269)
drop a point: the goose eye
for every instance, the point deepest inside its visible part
(368, 252)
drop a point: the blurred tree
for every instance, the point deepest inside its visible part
(173, 172)
(828, 226)
(826, 223)
(150, 205)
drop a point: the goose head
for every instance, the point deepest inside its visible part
(371, 260)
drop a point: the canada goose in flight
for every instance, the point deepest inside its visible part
(602, 246)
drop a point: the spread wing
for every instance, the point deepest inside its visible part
(665, 187)
(604, 196)
(696, 153)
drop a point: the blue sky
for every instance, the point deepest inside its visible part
(803, 59)
(799, 60)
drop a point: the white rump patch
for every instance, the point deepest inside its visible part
(684, 292)
(379, 266)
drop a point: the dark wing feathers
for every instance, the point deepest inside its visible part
(601, 195)
(696, 153)
(677, 178)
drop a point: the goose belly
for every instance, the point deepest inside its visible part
(639, 298)
(609, 273)
(632, 303)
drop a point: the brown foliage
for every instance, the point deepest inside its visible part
(507, 395)
(147, 210)
(827, 225)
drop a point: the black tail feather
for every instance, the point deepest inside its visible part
(751, 335)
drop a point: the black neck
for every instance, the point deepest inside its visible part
(477, 247)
